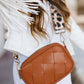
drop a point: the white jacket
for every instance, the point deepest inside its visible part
(21, 41)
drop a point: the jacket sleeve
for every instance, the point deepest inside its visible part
(76, 35)
(16, 22)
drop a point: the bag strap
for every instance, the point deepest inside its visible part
(16, 57)
(62, 39)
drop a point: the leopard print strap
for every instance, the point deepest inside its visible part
(57, 18)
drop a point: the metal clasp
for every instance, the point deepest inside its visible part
(16, 58)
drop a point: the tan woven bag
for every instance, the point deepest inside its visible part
(47, 65)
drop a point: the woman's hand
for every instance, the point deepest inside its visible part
(34, 5)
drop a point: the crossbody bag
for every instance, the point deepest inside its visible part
(47, 65)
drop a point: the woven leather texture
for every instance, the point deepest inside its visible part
(47, 65)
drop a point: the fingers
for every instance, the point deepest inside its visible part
(31, 4)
